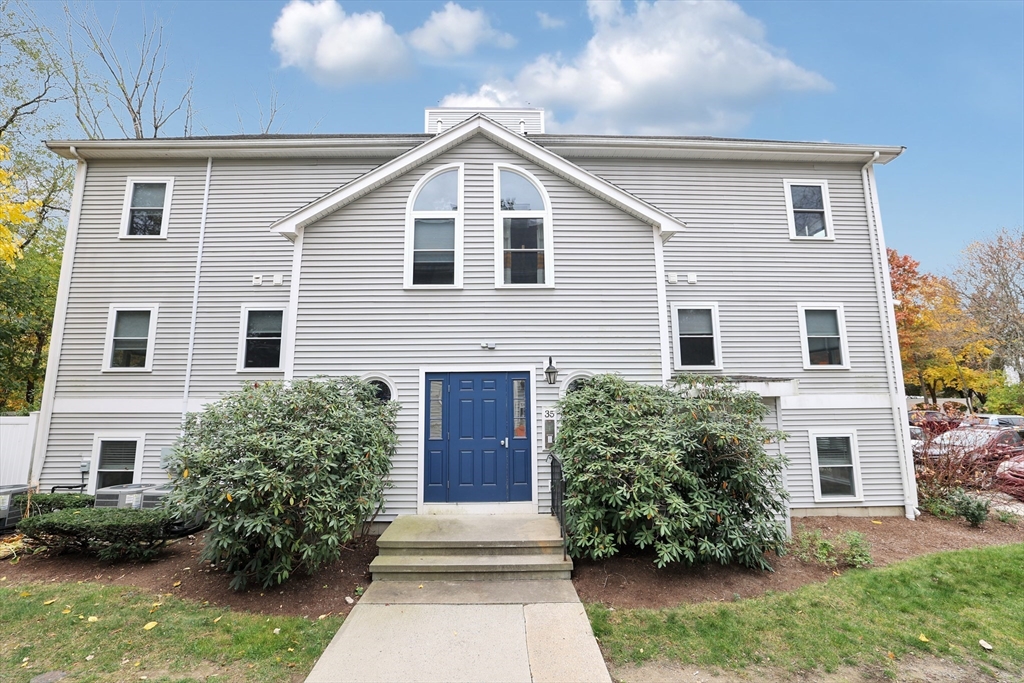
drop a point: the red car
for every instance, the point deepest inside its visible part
(979, 444)
(1010, 477)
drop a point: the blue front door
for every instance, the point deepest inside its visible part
(477, 437)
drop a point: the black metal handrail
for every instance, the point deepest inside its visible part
(80, 487)
(558, 498)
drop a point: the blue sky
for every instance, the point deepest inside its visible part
(945, 79)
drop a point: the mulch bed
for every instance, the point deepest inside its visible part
(308, 596)
(622, 582)
(632, 582)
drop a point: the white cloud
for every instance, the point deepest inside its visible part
(334, 47)
(456, 30)
(668, 67)
(548, 21)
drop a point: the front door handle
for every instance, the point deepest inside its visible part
(504, 442)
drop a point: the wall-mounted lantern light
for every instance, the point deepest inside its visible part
(551, 372)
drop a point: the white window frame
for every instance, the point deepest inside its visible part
(140, 446)
(126, 210)
(108, 345)
(829, 235)
(410, 226)
(243, 323)
(499, 231)
(858, 486)
(844, 347)
(572, 377)
(715, 329)
(381, 377)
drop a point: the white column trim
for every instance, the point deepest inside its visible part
(292, 313)
(663, 333)
(195, 290)
(60, 313)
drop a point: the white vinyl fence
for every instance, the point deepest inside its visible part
(17, 438)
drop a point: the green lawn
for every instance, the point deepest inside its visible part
(952, 599)
(189, 640)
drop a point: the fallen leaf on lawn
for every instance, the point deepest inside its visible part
(218, 618)
(157, 604)
(277, 631)
(90, 658)
(322, 616)
(923, 638)
(177, 583)
(985, 644)
(50, 602)
(291, 649)
(892, 656)
(149, 627)
(94, 619)
(26, 594)
(67, 611)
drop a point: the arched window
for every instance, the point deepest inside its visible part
(433, 245)
(523, 239)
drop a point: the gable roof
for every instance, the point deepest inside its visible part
(665, 224)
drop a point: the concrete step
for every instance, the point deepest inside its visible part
(469, 567)
(470, 534)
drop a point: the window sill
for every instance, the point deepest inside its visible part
(808, 366)
(429, 287)
(129, 370)
(142, 237)
(798, 238)
(264, 371)
(699, 368)
(525, 286)
(826, 500)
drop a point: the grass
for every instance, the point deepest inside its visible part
(189, 640)
(871, 617)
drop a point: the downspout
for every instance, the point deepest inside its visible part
(293, 308)
(195, 291)
(60, 313)
(887, 315)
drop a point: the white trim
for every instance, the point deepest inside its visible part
(664, 223)
(785, 467)
(715, 330)
(833, 401)
(140, 445)
(535, 443)
(499, 230)
(894, 363)
(410, 226)
(195, 290)
(108, 344)
(844, 347)
(381, 377)
(570, 378)
(292, 315)
(165, 217)
(812, 436)
(243, 323)
(661, 292)
(829, 230)
(60, 315)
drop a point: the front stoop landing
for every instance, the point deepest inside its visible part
(471, 548)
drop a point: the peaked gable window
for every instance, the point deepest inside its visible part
(434, 231)
(523, 239)
(147, 207)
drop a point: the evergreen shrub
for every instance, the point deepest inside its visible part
(683, 470)
(284, 474)
(110, 533)
(51, 502)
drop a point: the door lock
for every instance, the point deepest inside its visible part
(504, 442)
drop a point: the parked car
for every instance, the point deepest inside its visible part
(917, 439)
(933, 422)
(1016, 421)
(1010, 477)
(981, 444)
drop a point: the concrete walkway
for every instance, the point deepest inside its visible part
(472, 631)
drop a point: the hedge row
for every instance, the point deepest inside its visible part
(110, 533)
(43, 503)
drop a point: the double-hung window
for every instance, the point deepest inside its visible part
(261, 339)
(808, 209)
(523, 237)
(697, 340)
(433, 245)
(147, 207)
(116, 459)
(836, 466)
(823, 336)
(130, 332)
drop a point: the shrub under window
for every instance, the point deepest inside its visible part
(284, 474)
(683, 470)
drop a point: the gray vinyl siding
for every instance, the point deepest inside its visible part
(879, 463)
(355, 317)
(110, 270)
(72, 436)
(246, 197)
(737, 242)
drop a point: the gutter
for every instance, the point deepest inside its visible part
(60, 312)
(887, 316)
